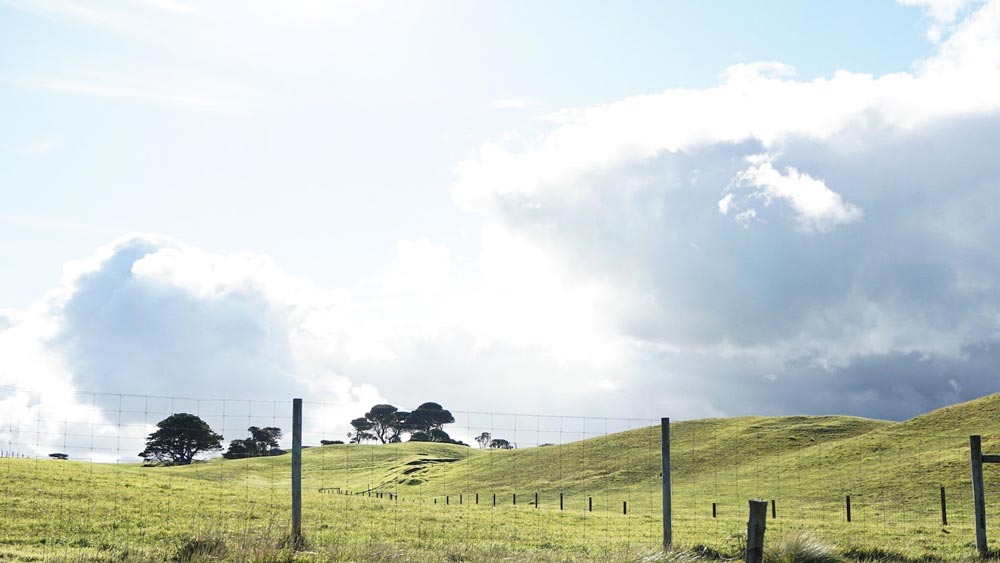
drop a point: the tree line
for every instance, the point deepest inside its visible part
(182, 436)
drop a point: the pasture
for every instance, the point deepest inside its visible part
(435, 502)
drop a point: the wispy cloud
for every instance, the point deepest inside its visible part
(110, 89)
(53, 223)
(513, 103)
(171, 6)
(40, 147)
(55, 9)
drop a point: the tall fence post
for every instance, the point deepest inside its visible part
(978, 494)
(755, 531)
(944, 508)
(668, 533)
(297, 472)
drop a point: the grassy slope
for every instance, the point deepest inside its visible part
(808, 464)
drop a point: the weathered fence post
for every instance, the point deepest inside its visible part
(944, 509)
(536, 500)
(978, 495)
(590, 504)
(848, 501)
(755, 531)
(668, 534)
(774, 513)
(624, 507)
(297, 472)
(713, 510)
(560, 501)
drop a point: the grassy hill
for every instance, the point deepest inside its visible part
(419, 500)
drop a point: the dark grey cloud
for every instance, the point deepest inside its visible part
(886, 316)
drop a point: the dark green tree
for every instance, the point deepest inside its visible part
(387, 422)
(500, 444)
(179, 439)
(362, 430)
(262, 442)
(428, 417)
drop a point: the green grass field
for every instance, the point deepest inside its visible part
(418, 501)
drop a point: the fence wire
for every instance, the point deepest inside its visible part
(569, 486)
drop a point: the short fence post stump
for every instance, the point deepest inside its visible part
(755, 531)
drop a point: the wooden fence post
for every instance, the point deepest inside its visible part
(668, 532)
(296, 473)
(755, 531)
(978, 494)
(848, 501)
(944, 509)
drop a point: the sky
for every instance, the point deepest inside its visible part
(615, 209)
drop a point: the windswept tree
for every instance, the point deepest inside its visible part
(179, 439)
(427, 417)
(262, 442)
(500, 444)
(483, 440)
(362, 430)
(387, 422)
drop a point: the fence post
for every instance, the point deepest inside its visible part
(297, 472)
(668, 533)
(560, 501)
(774, 511)
(848, 501)
(755, 531)
(713, 510)
(979, 498)
(944, 509)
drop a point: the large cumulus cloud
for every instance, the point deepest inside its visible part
(776, 239)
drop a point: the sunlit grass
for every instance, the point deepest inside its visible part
(417, 502)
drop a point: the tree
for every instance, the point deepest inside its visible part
(179, 439)
(262, 442)
(387, 422)
(362, 430)
(483, 440)
(500, 444)
(428, 417)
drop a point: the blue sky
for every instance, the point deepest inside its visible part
(663, 208)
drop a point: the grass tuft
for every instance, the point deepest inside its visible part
(799, 548)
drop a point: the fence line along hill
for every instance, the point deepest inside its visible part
(601, 493)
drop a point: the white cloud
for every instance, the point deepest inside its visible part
(818, 208)
(942, 13)
(713, 285)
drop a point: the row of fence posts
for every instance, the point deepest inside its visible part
(13, 455)
(758, 508)
(461, 498)
(297, 479)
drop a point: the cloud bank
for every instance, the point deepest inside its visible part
(778, 239)
(765, 246)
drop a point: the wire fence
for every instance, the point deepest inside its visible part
(568, 486)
